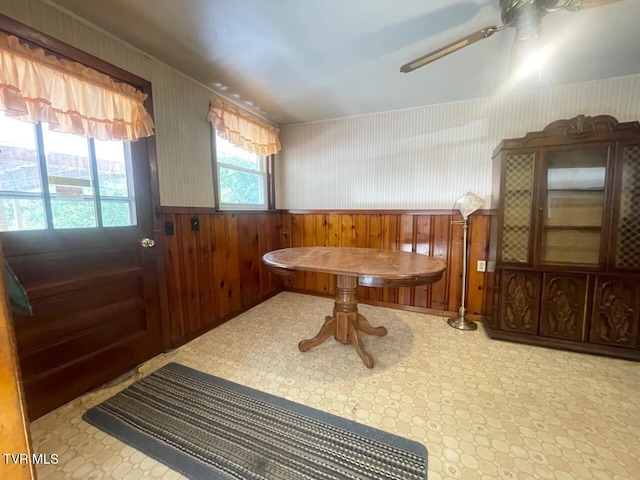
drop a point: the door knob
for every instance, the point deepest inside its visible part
(147, 243)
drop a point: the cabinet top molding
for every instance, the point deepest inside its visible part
(576, 129)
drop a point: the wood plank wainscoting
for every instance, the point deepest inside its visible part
(214, 269)
(213, 264)
(423, 231)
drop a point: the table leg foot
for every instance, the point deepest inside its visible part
(346, 324)
(365, 327)
(354, 336)
(327, 330)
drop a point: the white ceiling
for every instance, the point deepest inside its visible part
(304, 60)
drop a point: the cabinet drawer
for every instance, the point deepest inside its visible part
(519, 301)
(563, 306)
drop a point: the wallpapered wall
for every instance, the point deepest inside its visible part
(183, 136)
(427, 157)
(418, 158)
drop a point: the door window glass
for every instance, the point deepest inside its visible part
(52, 180)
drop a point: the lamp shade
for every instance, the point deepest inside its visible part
(469, 203)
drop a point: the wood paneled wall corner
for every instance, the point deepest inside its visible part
(214, 271)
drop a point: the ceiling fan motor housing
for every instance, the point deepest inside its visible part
(524, 15)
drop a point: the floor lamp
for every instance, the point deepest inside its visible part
(467, 204)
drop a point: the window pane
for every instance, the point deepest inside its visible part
(21, 214)
(116, 214)
(16, 133)
(241, 187)
(232, 155)
(112, 168)
(73, 213)
(69, 172)
(19, 172)
(67, 162)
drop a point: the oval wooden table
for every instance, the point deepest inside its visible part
(352, 267)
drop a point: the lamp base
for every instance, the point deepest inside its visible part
(462, 323)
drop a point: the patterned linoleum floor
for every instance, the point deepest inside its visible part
(484, 409)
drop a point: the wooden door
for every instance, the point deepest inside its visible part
(72, 231)
(94, 293)
(520, 301)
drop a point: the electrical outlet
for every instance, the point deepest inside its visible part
(482, 266)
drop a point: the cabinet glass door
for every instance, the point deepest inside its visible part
(516, 217)
(573, 205)
(628, 228)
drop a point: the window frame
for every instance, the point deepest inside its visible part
(266, 171)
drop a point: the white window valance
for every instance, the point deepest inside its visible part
(243, 129)
(72, 98)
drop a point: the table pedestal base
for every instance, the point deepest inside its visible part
(346, 323)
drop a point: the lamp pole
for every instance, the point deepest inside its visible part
(462, 323)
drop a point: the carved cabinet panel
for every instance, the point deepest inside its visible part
(616, 313)
(563, 306)
(519, 302)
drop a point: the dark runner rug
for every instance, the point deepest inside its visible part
(205, 427)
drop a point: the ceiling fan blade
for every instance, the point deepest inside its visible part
(448, 49)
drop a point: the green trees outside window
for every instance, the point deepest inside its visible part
(242, 177)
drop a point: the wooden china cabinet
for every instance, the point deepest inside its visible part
(565, 238)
